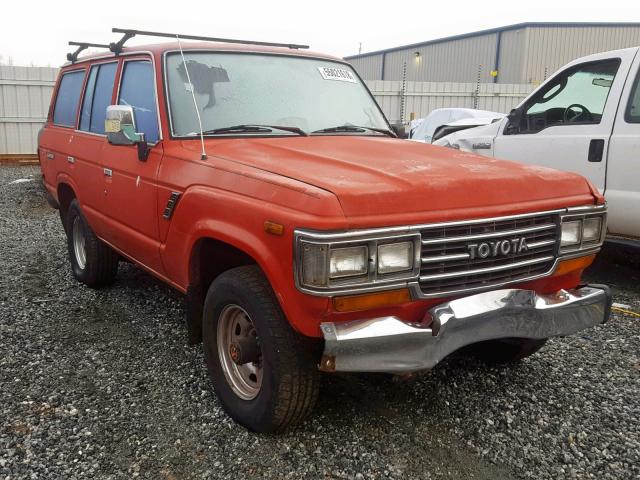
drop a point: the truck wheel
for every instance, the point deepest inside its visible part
(264, 373)
(507, 350)
(92, 261)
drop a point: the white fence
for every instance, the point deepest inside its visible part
(420, 98)
(25, 93)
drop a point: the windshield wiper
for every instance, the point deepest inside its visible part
(355, 128)
(255, 129)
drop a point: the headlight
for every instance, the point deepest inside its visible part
(395, 257)
(348, 262)
(582, 231)
(328, 263)
(592, 229)
(571, 233)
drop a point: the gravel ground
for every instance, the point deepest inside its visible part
(102, 384)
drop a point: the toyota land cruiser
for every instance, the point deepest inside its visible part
(264, 183)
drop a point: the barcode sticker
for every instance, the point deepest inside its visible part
(340, 74)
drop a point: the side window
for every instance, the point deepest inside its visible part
(138, 90)
(67, 99)
(632, 115)
(97, 97)
(85, 113)
(576, 96)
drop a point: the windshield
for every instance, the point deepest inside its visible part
(250, 89)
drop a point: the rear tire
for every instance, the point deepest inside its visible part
(278, 388)
(504, 351)
(93, 262)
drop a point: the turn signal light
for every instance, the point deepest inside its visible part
(567, 266)
(356, 303)
(273, 228)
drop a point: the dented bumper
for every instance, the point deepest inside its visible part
(390, 345)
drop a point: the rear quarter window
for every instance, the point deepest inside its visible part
(65, 111)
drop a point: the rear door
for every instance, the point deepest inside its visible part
(57, 139)
(567, 122)
(130, 184)
(90, 139)
(623, 169)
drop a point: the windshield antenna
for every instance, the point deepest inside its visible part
(203, 155)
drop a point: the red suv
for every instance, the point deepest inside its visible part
(265, 184)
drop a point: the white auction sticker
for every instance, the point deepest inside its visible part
(340, 74)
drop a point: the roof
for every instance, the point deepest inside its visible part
(159, 48)
(489, 31)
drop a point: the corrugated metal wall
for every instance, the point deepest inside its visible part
(423, 97)
(512, 45)
(549, 48)
(458, 61)
(527, 55)
(370, 67)
(25, 93)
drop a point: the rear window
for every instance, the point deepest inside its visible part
(66, 109)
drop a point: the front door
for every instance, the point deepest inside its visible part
(623, 168)
(566, 123)
(130, 191)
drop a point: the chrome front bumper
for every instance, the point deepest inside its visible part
(390, 345)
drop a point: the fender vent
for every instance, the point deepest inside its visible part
(171, 205)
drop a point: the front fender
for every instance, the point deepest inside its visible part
(239, 220)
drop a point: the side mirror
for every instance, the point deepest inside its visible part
(120, 126)
(513, 123)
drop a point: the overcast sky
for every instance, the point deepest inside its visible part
(37, 32)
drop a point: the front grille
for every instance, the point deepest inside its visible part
(447, 263)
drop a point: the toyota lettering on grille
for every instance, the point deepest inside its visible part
(497, 248)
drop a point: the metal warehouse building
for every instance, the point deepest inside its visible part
(522, 53)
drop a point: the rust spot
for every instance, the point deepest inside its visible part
(327, 363)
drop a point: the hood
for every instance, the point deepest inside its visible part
(475, 121)
(373, 176)
(464, 139)
(444, 116)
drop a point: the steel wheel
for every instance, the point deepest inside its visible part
(239, 351)
(79, 243)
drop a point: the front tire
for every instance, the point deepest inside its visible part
(263, 372)
(93, 262)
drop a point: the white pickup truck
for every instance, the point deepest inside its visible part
(584, 119)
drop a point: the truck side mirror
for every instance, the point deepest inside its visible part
(513, 123)
(120, 126)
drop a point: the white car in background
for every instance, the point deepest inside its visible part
(584, 119)
(450, 119)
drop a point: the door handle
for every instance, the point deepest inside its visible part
(596, 149)
(108, 172)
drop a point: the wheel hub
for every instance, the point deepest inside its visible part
(239, 352)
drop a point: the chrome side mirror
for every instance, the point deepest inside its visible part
(120, 127)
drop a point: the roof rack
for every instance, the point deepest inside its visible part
(116, 47)
(72, 57)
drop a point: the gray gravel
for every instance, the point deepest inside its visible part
(102, 384)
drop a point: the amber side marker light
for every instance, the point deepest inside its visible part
(567, 266)
(273, 228)
(356, 303)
